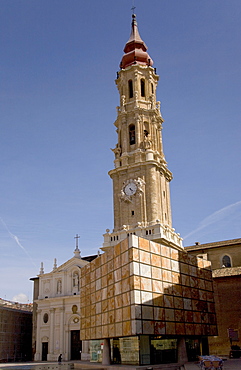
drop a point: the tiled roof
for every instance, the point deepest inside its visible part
(16, 305)
(222, 243)
(230, 271)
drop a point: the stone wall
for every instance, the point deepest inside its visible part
(228, 300)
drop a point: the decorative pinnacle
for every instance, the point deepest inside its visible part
(55, 264)
(41, 268)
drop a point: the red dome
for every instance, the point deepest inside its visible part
(135, 49)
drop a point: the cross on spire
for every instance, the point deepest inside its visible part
(133, 7)
(76, 237)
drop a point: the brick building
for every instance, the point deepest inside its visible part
(15, 331)
(225, 258)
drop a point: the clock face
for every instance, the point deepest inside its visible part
(130, 189)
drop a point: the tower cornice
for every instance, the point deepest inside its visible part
(161, 167)
(152, 111)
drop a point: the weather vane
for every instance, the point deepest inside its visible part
(133, 6)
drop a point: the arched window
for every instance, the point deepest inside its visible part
(132, 134)
(130, 84)
(142, 87)
(226, 261)
(152, 89)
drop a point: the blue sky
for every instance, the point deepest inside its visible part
(57, 108)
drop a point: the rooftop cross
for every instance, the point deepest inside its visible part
(77, 237)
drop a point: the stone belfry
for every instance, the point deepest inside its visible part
(140, 178)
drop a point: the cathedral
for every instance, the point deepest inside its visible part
(144, 300)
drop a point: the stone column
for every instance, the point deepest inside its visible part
(66, 344)
(181, 351)
(106, 352)
(51, 339)
(61, 331)
(38, 337)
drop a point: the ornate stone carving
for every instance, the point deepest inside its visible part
(136, 99)
(152, 100)
(139, 183)
(123, 102)
(74, 308)
(59, 286)
(47, 286)
(117, 151)
(147, 143)
(76, 280)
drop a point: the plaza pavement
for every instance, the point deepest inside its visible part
(229, 364)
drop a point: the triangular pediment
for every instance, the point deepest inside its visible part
(68, 265)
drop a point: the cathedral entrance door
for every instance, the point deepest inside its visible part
(76, 345)
(44, 351)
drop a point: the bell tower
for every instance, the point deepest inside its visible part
(140, 178)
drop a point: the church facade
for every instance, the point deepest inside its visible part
(145, 300)
(56, 316)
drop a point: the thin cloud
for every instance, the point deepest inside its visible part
(215, 218)
(21, 298)
(16, 239)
